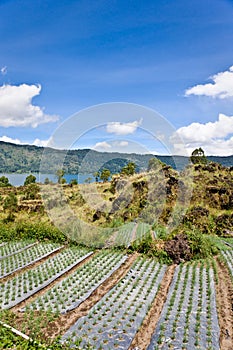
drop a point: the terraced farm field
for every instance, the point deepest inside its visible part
(109, 299)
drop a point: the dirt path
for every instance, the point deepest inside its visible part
(143, 336)
(133, 237)
(224, 294)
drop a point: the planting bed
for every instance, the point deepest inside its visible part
(18, 261)
(142, 228)
(11, 248)
(189, 317)
(28, 283)
(124, 235)
(228, 257)
(114, 320)
(73, 290)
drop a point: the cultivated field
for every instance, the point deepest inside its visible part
(108, 299)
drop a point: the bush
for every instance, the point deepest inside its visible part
(201, 246)
(4, 182)
(30, 179)
(27, 230)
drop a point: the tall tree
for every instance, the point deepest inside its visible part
(4, 181)
(129, 169)
(30, 179)
(105, 175)
(59, 174)
(96, 176)
(10, 205)
(198, 156)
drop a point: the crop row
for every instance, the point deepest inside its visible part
(14, 247)
(141, 230)
(228, 257)
(124, 235)
(115, 319)
(189, 317)
(26, 257)
(74, 289)
(28, 283)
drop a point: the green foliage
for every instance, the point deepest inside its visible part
(105, 174)
(31, 191)
(46, 181)
(202, 246)
(27, 230)
(154, 164)
(129, 169)
(143, 245)
(4, 182)
(9, 340)
(96, 176)
(116, 222)
(73, 182)
(160, 231)
(198, 156)
(59, 174)
(148, 246)
(30, 179)
(27, 159)
(11, 203)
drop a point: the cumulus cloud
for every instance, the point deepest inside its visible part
(216, 138)
(36, 142)
(17, 110)
(102, 145)
(222, 86)
(42, 143)
(118, 128)
(112, 147)
(10, 140)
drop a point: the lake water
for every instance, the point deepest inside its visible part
(18, 179)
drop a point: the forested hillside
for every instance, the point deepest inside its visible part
(27, 158)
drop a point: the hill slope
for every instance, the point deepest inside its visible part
(27, 158)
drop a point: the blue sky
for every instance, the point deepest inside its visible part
(59, 57)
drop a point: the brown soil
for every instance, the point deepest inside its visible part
(143, 336)
(224, 294)
(64, 322)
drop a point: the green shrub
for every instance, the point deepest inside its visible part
(202, 246)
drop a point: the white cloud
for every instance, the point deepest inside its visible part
(222, 86)
(214, 137)
(42, 143)
(17, 110)
(10, 140)
(102, 146)
(36, 142)
(113, 146)
(121, 143)
(118, 128)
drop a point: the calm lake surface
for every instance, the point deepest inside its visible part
(18, 179)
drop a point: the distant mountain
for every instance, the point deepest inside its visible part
(27, 158)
